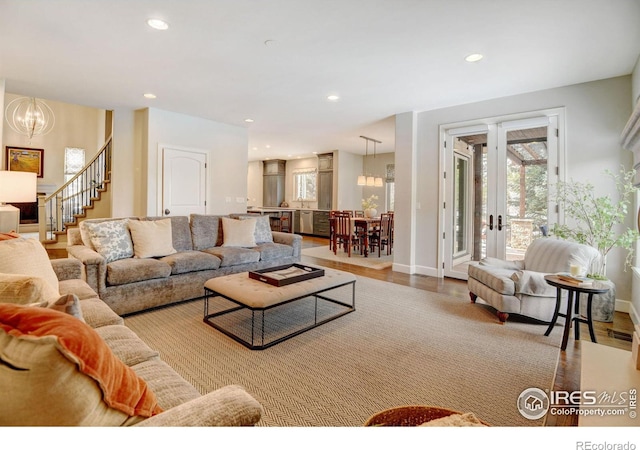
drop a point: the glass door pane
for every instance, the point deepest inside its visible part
(527, 189)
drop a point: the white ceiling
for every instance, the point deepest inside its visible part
(380, 57)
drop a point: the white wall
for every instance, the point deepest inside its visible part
(635, 84)
(2, 84)
(254, 183)
(596, 113)
(226, 146)
(75, 126)
(346, 168)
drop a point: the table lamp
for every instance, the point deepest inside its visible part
(16, 187)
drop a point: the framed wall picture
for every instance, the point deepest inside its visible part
(24, 159)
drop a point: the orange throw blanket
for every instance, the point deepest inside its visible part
(121, 387)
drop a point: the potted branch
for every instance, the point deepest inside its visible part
(597, 222)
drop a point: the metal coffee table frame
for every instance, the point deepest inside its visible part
(260, 313)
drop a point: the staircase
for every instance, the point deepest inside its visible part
(85, 196)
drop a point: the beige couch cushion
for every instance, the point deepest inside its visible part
(151, 238)
(25, 289)
(130, 270)
(57, 371)
(27, 257)
(238, 233)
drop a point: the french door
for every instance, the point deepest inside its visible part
(496, 189)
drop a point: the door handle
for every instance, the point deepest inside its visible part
(500, 223)
(491, 222)
(167, 212)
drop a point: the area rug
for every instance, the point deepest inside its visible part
(372, 261)
(402, 346)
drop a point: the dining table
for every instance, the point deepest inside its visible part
(361, 227)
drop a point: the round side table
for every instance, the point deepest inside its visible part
(573, 309)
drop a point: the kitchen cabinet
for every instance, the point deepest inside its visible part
(321, 223)
(325, 190)
(273, 182)
(296, 221)
(325, 161)
(325, 181)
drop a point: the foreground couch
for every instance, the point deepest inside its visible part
(518, 287)
(174, 268)
(67, 359)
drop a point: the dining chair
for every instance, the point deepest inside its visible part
(343, 232)
(332, 227)
(381, 236)
(358, 213)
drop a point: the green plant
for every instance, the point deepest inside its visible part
(369, 203)
(597, 219)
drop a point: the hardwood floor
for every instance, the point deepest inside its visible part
(568, 370)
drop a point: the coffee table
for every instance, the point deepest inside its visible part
(260, 315)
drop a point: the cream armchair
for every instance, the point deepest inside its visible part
(518, 287)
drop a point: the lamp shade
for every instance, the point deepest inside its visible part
(17, 186)
(370, 181)
(362, 180)
(378, 182)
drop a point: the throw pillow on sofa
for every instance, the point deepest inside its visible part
(110, 238)
(58, 371)
(262, 234)
(151, 238)
(27, 257)
(238, 233)
(26, 289)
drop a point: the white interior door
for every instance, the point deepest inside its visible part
(184, 181)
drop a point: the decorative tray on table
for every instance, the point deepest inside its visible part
(288, 274)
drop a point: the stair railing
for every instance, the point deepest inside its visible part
(61, 208)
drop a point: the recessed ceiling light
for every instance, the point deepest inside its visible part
(149, 95)
(158, 24)
(254, 148)
(474, 57)
(333, 98)
(268, 146)
(315, 153)
(248, 120)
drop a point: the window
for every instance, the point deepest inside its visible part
(304, 184)
(73, 162)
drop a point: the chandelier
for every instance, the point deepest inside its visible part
(29, 116)
(368, 179)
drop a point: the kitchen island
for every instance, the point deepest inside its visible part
(313, 222)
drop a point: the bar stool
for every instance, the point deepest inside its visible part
(285, 222)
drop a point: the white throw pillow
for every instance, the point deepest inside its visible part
(151, 238)
(26, 289)
(28, 257)
(238, 233)
(111, 239)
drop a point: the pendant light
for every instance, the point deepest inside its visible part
(367, 179)
(362, 179)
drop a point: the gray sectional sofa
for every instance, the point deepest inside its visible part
(130, 285)
(42, 382)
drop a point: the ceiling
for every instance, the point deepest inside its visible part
(277, 61)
